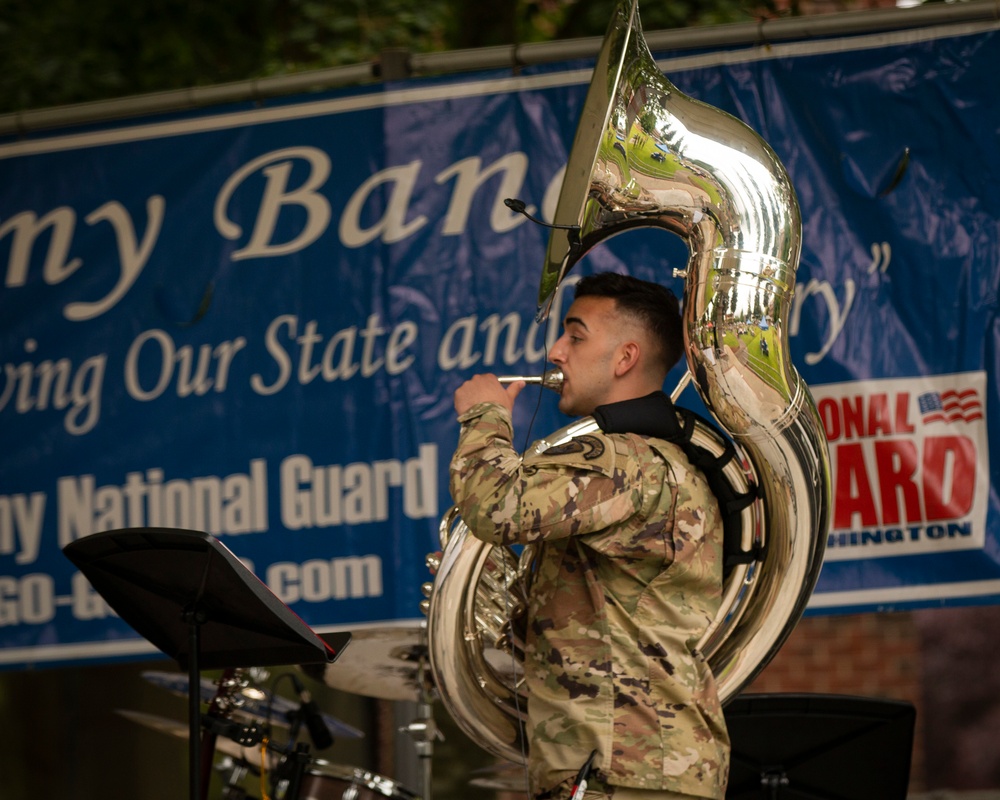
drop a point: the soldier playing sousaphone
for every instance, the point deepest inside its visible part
(628, 573)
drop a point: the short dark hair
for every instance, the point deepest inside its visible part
(653, 306)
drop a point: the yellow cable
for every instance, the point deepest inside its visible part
(263, 770)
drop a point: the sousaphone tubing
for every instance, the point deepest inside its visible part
(648, 156)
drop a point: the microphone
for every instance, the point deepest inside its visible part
(313, 718)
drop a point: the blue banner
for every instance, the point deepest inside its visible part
(250, 322)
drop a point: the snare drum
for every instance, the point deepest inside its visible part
(325, 781)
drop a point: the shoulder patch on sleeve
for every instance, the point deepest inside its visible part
(587, 451)
(590, 447)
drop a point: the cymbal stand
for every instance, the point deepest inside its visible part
(288, 776)
(423, 730)
(233, 774)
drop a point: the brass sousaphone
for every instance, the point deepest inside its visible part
(646, 155)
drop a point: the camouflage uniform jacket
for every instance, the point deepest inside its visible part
(628, 577)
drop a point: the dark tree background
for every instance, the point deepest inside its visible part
(57, 52)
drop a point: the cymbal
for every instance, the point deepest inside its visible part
(180, 730)
(253, 707)
(387, 663)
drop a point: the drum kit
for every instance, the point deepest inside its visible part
(253, 732)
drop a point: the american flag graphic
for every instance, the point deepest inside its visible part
(950, 406)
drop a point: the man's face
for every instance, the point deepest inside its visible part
(587, 352)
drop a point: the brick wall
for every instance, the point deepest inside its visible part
(863, 655)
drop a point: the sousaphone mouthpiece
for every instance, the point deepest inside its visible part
(551, 379)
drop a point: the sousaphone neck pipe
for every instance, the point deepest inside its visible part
(550, 379)
(553, 379)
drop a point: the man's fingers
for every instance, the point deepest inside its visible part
(513, 390)
(479, 389)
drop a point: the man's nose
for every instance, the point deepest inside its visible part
(557, 355)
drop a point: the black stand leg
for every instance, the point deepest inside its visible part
(298, 760)
(194, 620)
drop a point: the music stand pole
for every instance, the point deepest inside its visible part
(194, 619)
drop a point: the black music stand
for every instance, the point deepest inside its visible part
(187, 594)
(819, 747)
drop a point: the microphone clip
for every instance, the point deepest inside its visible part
(246, 735)
(519, 207)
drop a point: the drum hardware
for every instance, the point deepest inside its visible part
(287, 778)
(251, 703)
(325, 781)
(384, 663)
(320, 780)
(249, 756)
(216, 720)
(235, 689)
(233, 774)
(423, 729)
(244, 735)
(388, 663)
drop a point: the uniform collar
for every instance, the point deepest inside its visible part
(652, 415)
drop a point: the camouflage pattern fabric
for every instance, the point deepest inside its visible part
(603, 792)
(626, 581)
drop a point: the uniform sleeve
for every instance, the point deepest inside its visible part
(580, 487)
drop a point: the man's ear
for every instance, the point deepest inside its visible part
(628, 357)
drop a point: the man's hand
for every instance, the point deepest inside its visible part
(486, 389)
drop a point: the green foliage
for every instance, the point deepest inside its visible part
(563, 19)
(63, 51)
(56, 52)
